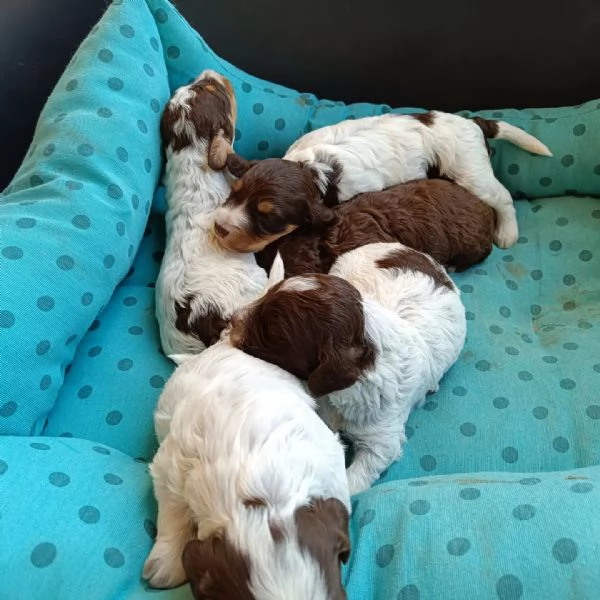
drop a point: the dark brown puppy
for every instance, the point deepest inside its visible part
(430, 215)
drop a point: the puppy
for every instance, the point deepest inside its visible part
(434, 216)
(200, 283)
(370, 339)
(252, 494)
(334, 163)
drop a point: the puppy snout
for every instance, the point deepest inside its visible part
(220, 230)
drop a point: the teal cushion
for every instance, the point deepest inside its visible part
(73, 216)
(521, 399)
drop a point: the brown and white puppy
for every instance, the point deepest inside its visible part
(430, 215)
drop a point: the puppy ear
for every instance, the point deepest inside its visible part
(336, 514)
(238, 165)
(218, 151)
(197, 558)
(338, 369)
(319, 214)
(277, 272)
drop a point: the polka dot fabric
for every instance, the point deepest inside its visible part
(483, 535)
(500, 476)
(73, 216)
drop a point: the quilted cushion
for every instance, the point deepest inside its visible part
(497, 475)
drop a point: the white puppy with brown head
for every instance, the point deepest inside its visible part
(370, 339)
(200, 283)
(252, 494)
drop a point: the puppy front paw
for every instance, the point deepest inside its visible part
(163, 568)
(507, 234)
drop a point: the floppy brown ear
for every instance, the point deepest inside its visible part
(338, 369)
(238, 165)
(216, 569)
(319, 214)
(218, 151)
(325, 514)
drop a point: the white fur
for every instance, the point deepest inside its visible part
(378, 152)
(418, 331)
(194, 265)
(233, 427)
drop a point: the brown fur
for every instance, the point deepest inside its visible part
(487, 126)
(408, 259)
(433, 216)
(217, 570)
(206, 328)
(317, 335)
(323, 531)
(425, 118)
(213, 112)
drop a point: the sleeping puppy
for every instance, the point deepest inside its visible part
(333, 164)
(433, 216)
(370, 339)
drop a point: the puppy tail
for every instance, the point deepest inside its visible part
(505, 131)
(277, 272)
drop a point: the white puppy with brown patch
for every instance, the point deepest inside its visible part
(200, 283)
(252, 494)
(370, 339)
(335, 163)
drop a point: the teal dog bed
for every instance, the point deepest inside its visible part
(498, 492)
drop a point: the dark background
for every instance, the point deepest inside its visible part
(441, 54)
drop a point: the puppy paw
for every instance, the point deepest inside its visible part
(163, 567)
(507, 234)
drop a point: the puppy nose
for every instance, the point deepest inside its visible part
(221, 231)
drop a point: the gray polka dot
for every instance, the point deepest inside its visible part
(428, 462)
(482, 365)
(113, 479)
(85, 150)
(513, 169)
(466, 288)
(135, 201)
(468, 429)
(114, 191)
(25, 223)
(72, 85)
(60, 117)
(42, 347)
(279, 124)
(593, 411)
(509, 587)
(366, 517)
(555, 245)
(12, 252)
(87, 298)
(579, 129)
(469, 493)
(551, 360)
(525, 376)
(45, 382)
(43, 555)
(135, 330)
(49, 150)
(540, 412)
(409, 592)
(105, 55)
(569, 306)
(246, 87)
(155, 105)
(505, 311)
(114, 558)
(526, 338)
(496, 330)
(384, 555)
(567, 384)
(104, 112)
(510, 455)
(409, 432)
(511, 351)
(156, 381)
(459, 391)
(470, 316)
(585, 256)
(8, 409)
(530, 481)
(127, 31)
(562, 221)
(85, 392)
(567, 160)
(161, 16)
(524, 512)
(458, 546)
(3, 467)
(582, 488)
(45, 303)
(263, 145)
(569, 280)
(125, 364)
(64, 262)
(73, 185)
(560, 444)
(142, 126)
(173, 52)
(35, 180)
(122, 154)
(116, 84)
(417, 483)
(535, 310)
(500, 402)
(114, 417)
(419, 507)
(39, 446)
(89, 514)
(59, 479)
(430, 406)
(148, 70)
(565, 551)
